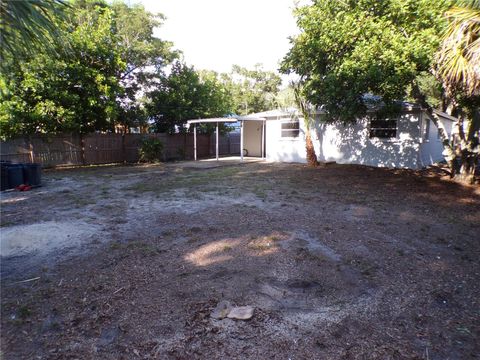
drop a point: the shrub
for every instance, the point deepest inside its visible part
(151, 150)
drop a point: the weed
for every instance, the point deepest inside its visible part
(260, 246)
(142, 247)
(195, 229)
(115, 246)
(464, 330)
(24, 312)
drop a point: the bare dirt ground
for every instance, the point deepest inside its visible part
(340, 262)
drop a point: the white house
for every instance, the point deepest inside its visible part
(409, 141)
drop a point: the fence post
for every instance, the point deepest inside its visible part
(82, 150)
(30, 146)
(124, 150)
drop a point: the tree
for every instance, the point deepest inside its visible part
(458, 67)
(458, 58)
(92, 84)
(253, 90)
(348, 48)
(76, 92)
(186, 94)
(140, 51)
(27, 24)
(307, 118)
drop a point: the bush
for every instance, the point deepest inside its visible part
(151, 150)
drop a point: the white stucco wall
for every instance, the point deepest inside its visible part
(431, 147)
(283, 149)
(350, 144)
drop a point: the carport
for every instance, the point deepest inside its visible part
(242, 120)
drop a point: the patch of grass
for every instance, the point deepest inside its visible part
(259, 247)
(136, 246)
(227, 248)
(260, 192)
(303, 254)
(82, 201)
(193, 239)
(24, 312)
(262, 244)
(194, 230)
(365, 267)
(115, 246)
(198, 180)
(464, 330)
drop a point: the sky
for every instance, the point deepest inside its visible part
(215, 34)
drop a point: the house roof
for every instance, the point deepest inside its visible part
(444, 115)
(278, 113)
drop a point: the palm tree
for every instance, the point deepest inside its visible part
(307, 117)
(458, 68)
(459, 55)
(27, 23)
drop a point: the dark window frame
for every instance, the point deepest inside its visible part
(290, 129)
(383, 128)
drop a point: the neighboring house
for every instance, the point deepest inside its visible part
(409, 141)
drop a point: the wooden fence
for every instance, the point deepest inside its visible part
(64, 150)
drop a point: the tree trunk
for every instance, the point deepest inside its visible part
(461, 153)
(468, 164)
(311, 156)
(303, 105)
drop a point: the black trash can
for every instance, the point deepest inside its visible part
(4, 176)
(32, 174)
(15, 175)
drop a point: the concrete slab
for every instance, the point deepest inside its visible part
(214, 163)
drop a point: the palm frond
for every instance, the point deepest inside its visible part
(28, 23)
(459, 56)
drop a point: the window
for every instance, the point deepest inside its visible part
(291, 129)
(426, 132)
(383, 128)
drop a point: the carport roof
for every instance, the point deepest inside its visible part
(212, 120)
(226, 120)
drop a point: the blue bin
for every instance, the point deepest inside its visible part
(32, 174)
(15, 175)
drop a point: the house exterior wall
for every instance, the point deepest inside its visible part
(349, 144)
(252, 137)
(284, 149)
(431, 147)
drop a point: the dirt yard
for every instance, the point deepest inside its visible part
(339, 262)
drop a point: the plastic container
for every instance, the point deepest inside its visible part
(32, 174)
(15, 175)
(4, 176)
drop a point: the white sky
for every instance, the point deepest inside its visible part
(215, 34)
